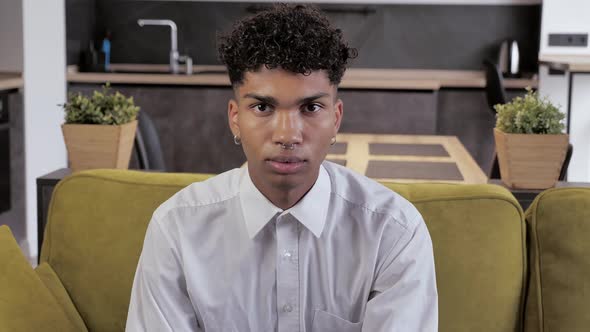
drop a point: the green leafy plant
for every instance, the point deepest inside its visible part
(530, 114)
(103, 107)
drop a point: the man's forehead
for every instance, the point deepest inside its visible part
(266, 73)
(280, 81)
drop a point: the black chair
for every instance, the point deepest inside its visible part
(496, 94)
(566, 162)
(147, 145)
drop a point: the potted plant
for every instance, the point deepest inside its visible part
(99, 131)
(530, 142)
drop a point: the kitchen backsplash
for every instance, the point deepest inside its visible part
(390, 36)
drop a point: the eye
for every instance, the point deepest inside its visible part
(262, 108)
(312, 108)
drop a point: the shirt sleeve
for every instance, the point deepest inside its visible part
(404, 295)
(159, 298)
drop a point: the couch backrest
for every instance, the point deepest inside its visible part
(94, 235)
(479, 241)
(97, 221)
(559, 289)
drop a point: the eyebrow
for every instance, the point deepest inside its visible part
(272, 101)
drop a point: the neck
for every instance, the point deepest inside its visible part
(286, 199)
(283, 196)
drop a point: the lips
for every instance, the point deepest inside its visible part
(286, 164)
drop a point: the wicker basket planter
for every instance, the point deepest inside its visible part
(99, 146)
(530, 161)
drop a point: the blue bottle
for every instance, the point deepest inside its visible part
(106, 49)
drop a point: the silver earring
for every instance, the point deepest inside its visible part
(237, 140)
(333, 141)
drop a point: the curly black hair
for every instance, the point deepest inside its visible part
(296, 38)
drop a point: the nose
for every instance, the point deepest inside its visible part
(288, 127)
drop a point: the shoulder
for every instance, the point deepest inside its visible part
(210, 192)
(361, 192)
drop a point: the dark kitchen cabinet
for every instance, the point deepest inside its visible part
(193, 127)
(13, 164)
(394, 112)
(4, 154)
(191, 122)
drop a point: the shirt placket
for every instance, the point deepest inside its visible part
(287, 273)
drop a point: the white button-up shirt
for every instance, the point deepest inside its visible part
(351, 255)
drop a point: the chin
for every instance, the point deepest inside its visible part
(287, 182)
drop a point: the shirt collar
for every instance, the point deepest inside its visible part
(311, 210)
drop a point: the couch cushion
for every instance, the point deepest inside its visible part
(54, 285)
(559, 291)
(96, 224)
(478, 235)
(25, 303)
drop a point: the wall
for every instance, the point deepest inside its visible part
(579, 169)
(564, 16)
(11, 36)
(45, 88)
(396, 36)
(569, 16)
(15, 217)
(11, 60)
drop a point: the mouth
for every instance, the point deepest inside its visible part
(286, 164)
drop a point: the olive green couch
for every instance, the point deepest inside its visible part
(489, 278)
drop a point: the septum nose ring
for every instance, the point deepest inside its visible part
(287, 146)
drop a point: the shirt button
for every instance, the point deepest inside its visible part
(287, 308)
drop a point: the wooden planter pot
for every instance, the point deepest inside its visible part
(530, 161)
(99, 146)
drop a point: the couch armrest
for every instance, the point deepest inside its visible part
(26, 304)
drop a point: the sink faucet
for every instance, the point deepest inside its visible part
(175, 58)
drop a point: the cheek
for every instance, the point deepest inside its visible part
(253, 133)
(322, 129)
(247, 124)
(319, 136)
(251, 149)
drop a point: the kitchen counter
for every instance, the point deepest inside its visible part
(575, 63)
(9, 81)
(354, 78)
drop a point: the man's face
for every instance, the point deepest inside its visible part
(274, 107)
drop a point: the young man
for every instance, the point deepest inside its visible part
(290, 242)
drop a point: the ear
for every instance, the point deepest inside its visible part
(338, 111)
(232, 116)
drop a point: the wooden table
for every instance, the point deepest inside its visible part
(407, 158)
